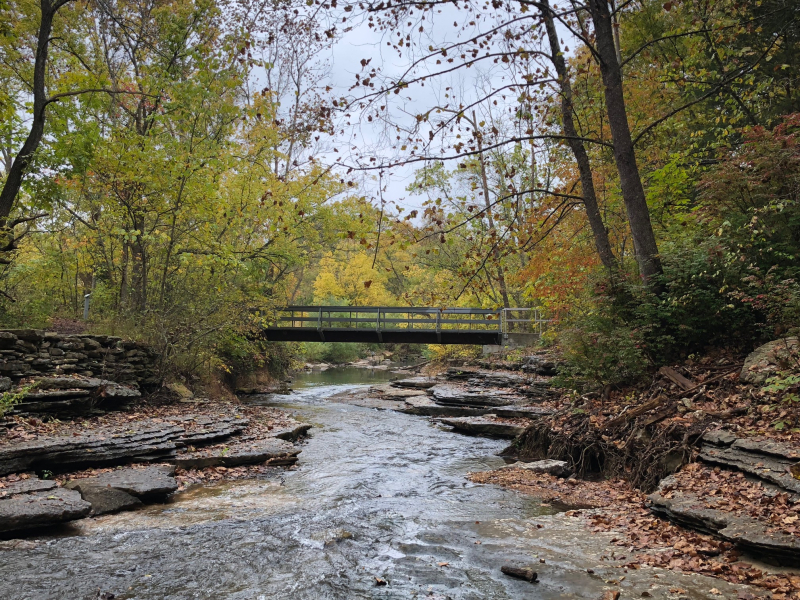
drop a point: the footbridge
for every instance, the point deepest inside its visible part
(405, 325)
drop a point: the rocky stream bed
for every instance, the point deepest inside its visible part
(377, 504)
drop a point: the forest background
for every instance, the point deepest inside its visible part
(187, 162)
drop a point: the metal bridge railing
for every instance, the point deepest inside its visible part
(383, 318)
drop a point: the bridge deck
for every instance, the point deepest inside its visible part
(399, 325)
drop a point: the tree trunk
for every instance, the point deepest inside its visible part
(23, 158)
(644, 240)
(599, 230)
(139, 258)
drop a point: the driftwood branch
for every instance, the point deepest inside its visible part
(528, 575)
(658, 401)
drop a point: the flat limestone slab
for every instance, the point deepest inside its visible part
(36, 509)
(274, 451)
(90, 449)
(456, 395)
(425, 407)
(483, 426)
(389, 392)
(421, 383)
(106, 500)
(149, 483)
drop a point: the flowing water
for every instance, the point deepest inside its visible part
(376, 494)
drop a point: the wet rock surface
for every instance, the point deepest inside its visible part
(292, 434)
(104, 500)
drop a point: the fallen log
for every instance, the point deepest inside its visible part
(528, 575)
(677, 378)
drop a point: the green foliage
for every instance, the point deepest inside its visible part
(443, 353)
(598, 351)
(10, 399)
(336, 353)
(785, 385)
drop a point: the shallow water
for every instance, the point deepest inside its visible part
(376, 494)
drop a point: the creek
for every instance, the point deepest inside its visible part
(376, 494)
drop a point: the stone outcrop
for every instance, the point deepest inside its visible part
(540, 365)
(770, 358)
(34, 503)
(36, 353)
(292, 434)
(72, 395)
(449, 394)
(126, 488)
(766, 459)
(138, 441)
(482, 378)
(104, 500)
(749, 534)
(390, 392)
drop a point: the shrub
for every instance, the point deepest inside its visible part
(599, 351)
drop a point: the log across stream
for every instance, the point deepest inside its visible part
(377, 507)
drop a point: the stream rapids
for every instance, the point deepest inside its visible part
(375, 495)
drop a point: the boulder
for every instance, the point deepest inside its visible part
(180, 390)
(558, 468)
(38, 508)
(770, 358)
